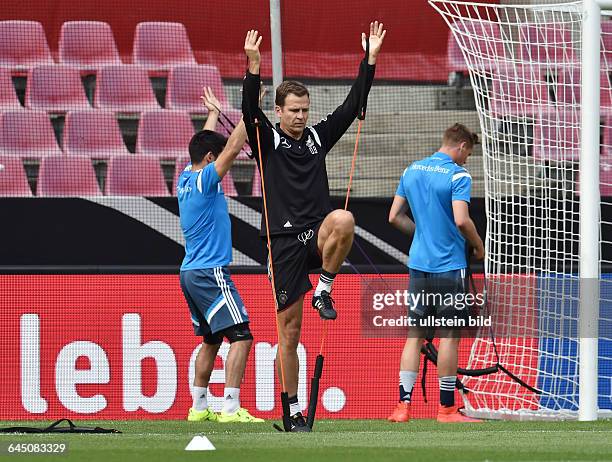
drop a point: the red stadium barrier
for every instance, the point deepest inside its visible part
(119, 347)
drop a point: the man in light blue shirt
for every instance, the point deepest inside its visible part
(216, 309)
(437, 190)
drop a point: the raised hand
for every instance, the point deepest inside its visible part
(377, 35)
(210, 101)
(251, 46)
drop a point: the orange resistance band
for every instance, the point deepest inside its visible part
(265, 205)
(348, 194)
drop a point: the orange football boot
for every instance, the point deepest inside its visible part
(401, 413)
(452, 415)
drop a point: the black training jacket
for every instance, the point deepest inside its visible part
(295, 176)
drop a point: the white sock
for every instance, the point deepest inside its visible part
(232, 400)
(200, 402)
(407, 381)
(325, 283)
(294, 408)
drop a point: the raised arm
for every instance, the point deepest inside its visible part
(210, 101)
(337, 123)
(252, 81)
(251, 97)
(234, 144)
(251, 48)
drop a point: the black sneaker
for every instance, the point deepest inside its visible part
(298, 423)
(324, 304)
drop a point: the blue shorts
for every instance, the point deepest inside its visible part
(437, 295)
(213, 301)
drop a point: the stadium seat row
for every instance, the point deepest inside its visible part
(90, 45)
(529, 90)
(122, 88)
(162, 133)
(165, 134)
(126, 175)
(549, 44)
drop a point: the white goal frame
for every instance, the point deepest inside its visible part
(589, 192)
(589, 209)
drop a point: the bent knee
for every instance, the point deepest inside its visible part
(344, 221)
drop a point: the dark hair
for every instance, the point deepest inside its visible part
(458, 134)
(203, 142)
(289, 87)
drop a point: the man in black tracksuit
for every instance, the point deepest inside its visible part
(305, 232)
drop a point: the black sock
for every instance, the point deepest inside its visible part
(447, 390)
(325, 282)
(405, 395)
(328, 275)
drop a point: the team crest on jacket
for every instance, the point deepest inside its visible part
(311, 145)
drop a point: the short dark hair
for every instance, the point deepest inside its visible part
(203, 142)
(289, 87)
(458, 134)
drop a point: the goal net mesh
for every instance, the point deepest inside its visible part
(525, 68)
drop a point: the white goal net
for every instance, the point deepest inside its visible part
(524, 66)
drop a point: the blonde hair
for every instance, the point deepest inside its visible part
(458, 134)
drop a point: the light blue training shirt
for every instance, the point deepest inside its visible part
(205, 219)
(430, 185)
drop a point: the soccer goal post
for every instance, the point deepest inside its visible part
(541, 80)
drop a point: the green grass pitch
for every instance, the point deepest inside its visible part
(334, 440)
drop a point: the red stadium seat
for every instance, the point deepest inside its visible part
(88, 45)
(93, 133)
(55, 88)
(23, 44)
(606, 47)
(67, 176)
(185, 85)
(134, 175)
(483, 36)
(521, 91)
(13, 179)
(226, 128)
(162, 45)
(8, 97)
(28, 134)
(566, 86)
(547, 43)
(124, 89)
(606, 66)
(567, 90)
(184, 89)
(605, 92)
(227, 183)
(164, 134)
